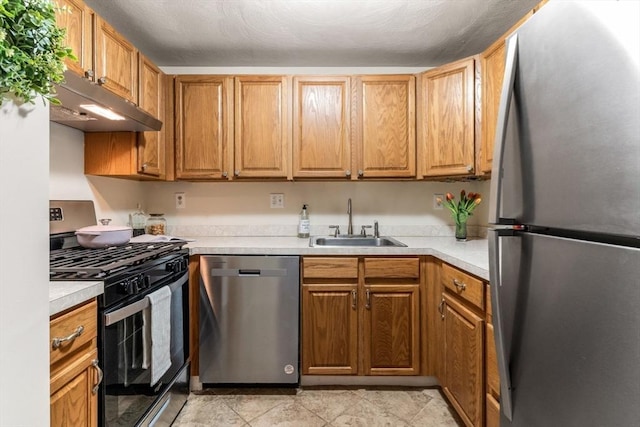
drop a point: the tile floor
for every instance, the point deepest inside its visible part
(315, 406)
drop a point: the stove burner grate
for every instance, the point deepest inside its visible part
(99, 263)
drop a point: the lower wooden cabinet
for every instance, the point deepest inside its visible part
(463, 360)
(359, 323)
(492, 376)
(74, 368)
(493, 412)
(329, 329)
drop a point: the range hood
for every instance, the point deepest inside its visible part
(78, 95)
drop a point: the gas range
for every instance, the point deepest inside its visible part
(125, 270)
(134, 275)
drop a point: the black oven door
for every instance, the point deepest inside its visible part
(128, 396)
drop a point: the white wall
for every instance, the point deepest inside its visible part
(24, 265)
(113, 198)
(401, 207)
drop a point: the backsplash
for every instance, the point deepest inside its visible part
(402, 208)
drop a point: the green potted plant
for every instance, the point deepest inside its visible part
(32, 50)
(461, 211)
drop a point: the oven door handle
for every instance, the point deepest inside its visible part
(131, 309)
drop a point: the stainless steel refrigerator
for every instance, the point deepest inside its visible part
(565, 248)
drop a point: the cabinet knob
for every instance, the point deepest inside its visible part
(102, 80)
(225, 174)
(347, 172)
(236, 172)
(360, 173)
(461, 286)
(469, 168)
(89, 74)
(144, 166)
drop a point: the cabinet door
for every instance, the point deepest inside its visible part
(463, 359)
(492, 66)
(73, 402)
(329, 329)
(448, 116)
(391, 330)
(321, 127)
(151, 99)
(385, 126)
(262, 138)
(116, 62)
(75, 17)
(203, 126)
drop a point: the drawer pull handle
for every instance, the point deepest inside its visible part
(368, 295)
(95, 388)
(441, 308)
(354, 299)
(57, 342)
(461, 286)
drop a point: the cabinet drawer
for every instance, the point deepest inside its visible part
(462, 284)
(69, 323)
(330, 268)
(392, 268)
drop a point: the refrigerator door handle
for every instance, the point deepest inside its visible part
(506, 404)
(501, 128)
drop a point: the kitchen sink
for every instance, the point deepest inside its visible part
(350, 241)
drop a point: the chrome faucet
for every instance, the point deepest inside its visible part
(350, 226)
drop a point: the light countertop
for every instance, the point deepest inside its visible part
(64, 295)
(471, 256)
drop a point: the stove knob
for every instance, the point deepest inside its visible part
(126, 288)
(146, 280)
(171, 266)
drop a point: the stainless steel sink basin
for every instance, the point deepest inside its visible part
(350, 241)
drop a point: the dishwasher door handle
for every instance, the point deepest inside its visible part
(248, 272)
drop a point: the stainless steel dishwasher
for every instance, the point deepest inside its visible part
(249, 316)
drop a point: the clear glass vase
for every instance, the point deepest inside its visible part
(461, 231)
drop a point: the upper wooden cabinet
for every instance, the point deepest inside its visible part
(447, 120)
(77, 19)
(262, 138)
(384, 137)
(203, 114)
(321, 127)
(151, 93)
(116, 61)
(492, 63)
(136, 155)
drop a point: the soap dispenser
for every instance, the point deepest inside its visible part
(304, 224)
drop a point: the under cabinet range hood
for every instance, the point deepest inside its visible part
(91, 108)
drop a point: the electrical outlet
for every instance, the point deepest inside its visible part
(276, 200)
(181, 200)
(437, 201)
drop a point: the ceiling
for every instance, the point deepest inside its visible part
(311, 33)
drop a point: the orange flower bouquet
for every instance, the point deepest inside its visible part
(461, 210)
